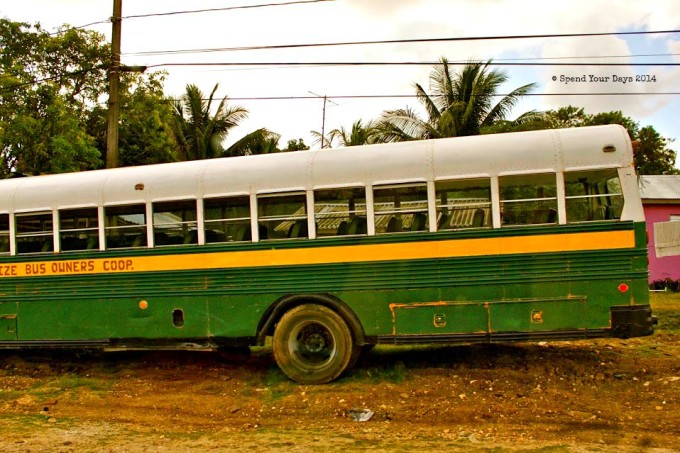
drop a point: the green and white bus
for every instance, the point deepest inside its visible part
(524, 236)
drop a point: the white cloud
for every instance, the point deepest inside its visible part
(367, 20)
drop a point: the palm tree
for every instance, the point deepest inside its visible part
(262, 141)
(199, 132)
(459, 104)
(360, 134)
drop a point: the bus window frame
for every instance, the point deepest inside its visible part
(349, 213)
(614, 174)
(60, 230)
(50, 235)
(7, 233)
(147, 227)
(396, 213)
(182, 223)
(490, 207)
(229, 220)
(538, 200)
(261, 220)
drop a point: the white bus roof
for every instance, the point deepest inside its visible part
(427, 160)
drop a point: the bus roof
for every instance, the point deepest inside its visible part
(461, 157)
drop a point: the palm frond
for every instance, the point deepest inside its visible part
(260, 141)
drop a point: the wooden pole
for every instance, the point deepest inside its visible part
(114, 81)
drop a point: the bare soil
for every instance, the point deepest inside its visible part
(601, 395)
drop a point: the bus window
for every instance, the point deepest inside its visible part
(340, 212)
(400, 208)
(593, 195)
(528, 199)
(463, 203)
(125, 226)
(78, 229)
(282, 216)
(227, 219)
(4, 233)
(174, 222)
(34, 233)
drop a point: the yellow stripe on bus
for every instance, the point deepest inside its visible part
(328, 255)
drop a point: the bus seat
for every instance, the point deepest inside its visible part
(443, 222)
(139, 241)
(394, 225)
(600, 213)
(190, 237)
(242, 233)
(298, 230)
(92, 242)
(263, 231)
(419, 222)
(543, 215)
(159, 238)
(47, 246)
(4, 244)
(343, 229)
(358, 226)
(478, 218)
(552, 215)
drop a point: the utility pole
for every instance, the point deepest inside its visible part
(323, 117)
(114, 82)
(323, 123)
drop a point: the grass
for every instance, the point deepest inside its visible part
(276, 383)
(666, 307)
(387, 371)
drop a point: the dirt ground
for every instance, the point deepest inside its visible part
(601, 395)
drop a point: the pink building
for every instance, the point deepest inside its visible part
(661, 202)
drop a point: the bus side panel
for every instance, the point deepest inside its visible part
(8, 321)
(125, 317)
(539, 315)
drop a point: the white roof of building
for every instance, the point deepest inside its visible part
(660, 187)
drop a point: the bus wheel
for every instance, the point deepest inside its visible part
(312, 344)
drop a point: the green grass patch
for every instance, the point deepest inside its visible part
(10, 395)
(69, 383)
(666, 307)
(278, 384)
(394, 372)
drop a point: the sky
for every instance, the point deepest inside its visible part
(635, 88)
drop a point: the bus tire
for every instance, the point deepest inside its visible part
(312, 344)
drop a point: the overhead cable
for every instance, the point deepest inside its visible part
(401, 41)
(228, 8)
(398, 63)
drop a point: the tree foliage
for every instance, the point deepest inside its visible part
(261, 141)
(296, 145)
(360, 134)
(144, 134)
(652, 155)
(458, 104)
(47, 87)
(52, 104)
(200, 128)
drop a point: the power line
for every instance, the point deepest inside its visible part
(229, 8)
(590, 56)
(414, 96)
(399, 41)
(106, 21)
(497, 62)
(173, 13)
(400, 63)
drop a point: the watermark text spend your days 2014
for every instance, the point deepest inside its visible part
(596, 78)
